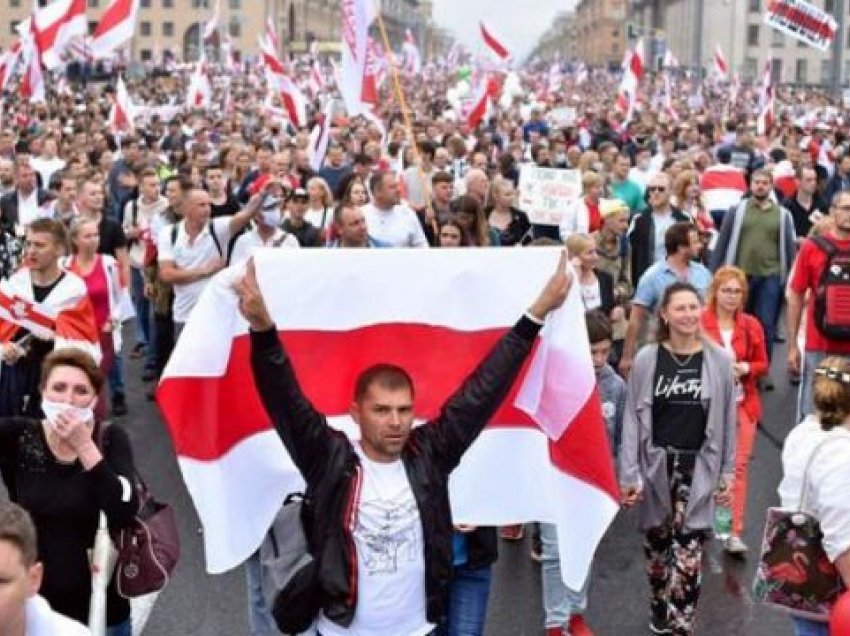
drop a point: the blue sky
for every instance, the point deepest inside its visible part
(519, 22)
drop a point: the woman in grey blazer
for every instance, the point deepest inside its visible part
(678, 453)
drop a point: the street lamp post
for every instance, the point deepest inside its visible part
(838, 45)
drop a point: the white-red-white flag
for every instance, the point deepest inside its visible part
(317, 82)
(282, 84)
(211, 26)
(554, 79)
(479, 106)
(495, 44)
(8, 62)
(55, 25)
(271, 34)
(766, 117)
(412, 56)
(670, 60)
(543, 456)
(32, 81)
(633, 71)
(199, 93)
(721, 66)
(357, 15)
(116, 27)
(123, 113)
(320, 137)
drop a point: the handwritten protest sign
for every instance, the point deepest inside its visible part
(544, 193)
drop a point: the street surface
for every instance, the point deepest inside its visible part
(198, 604)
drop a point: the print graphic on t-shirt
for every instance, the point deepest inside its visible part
(386, 530)
(684, 386)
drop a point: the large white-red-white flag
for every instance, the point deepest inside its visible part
(211, 26)
(122, 115)
(412, 56)
(271, 34)
(633, 71)
(357, 15)
(495, 44)
(199, 92)
(116, 27)
(55, 25)
(8, 61)
(766, 116)
(544, 455)
(320, 137)
(32, 86)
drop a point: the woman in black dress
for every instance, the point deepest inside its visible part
(64, 471)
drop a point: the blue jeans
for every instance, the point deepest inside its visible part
(559, 601)
(142, 306)
(468, 595)
(116, 375)
(805, 627)
(121, 629)
(259, 615)
(763, 301)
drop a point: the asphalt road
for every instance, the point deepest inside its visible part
(198, 604)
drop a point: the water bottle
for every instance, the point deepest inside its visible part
(722, 522)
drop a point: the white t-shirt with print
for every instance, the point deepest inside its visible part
(191, 256)
(43, 621)
(390, 557)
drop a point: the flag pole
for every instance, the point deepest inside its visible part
(405, 114)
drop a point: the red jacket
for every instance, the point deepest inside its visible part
(749, 347)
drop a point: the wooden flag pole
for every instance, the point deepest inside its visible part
(405, 114)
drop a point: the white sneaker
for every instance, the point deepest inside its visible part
(735, 546)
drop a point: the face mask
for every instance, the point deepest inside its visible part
(561, 157)
(52, 410)
(270, 218)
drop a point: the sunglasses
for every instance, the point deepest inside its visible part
(656, 189)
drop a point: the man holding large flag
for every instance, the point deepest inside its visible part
(381, 526)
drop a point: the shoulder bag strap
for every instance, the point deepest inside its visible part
(804, 488)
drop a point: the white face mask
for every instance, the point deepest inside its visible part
(270, 218)
(52, 410)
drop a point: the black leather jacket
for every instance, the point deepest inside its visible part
(331, 468)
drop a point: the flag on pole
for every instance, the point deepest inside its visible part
(633, 70)
(279, 80)
(320, 136)
(544, 456)
(721, 66)
(764, 122)
(199, 93)
(271, 34)
(211, 26)
(8, 61)
(55, 25)
(357, 15)
(670, 60)
(494, 43)
(316, 83)
(668, 107)
(116, 27)
(123, 113)
(480, 104)
(32, 81)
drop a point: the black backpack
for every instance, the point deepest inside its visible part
(832, 296)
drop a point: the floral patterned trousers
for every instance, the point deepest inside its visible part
(674, 557)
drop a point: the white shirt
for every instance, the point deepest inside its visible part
(591, 296)
(829, 480)
(641, 177)
(145, 213)
(28, 210)
(47, 168)
(321, 218)
(398, 226)
(190, 256)
(43, 621)
(390, 557)
(662, 223)
(246, 243)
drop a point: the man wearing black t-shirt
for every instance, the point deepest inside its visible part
(222, 202)
(113, 241)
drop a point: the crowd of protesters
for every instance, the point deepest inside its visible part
(694, 234)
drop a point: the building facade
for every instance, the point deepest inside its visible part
(176, 25)
(560, 40)
(693, 29)
(600, 29)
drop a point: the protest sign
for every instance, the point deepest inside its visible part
(802, 21)
(544, 193)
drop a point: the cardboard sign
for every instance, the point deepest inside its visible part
(563, 117)
(544, 193)
(802, 21)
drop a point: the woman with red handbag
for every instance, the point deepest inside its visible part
(742, 336)
(828, 476)
(60, 470)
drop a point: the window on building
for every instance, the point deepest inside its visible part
(146, 55)
(145, 29)
(168, 29)
(235, 30)
(235, 4)
(802, 72)
(167, 4)
(826, 71)
(200, 4)
(92, 26)
(829, 6)
(145, 4)
(94, 4)
(846, 71)
(777, 38)
(14, 3)
(752, 35)
(755, 6)
(750, 68)
(13, 26)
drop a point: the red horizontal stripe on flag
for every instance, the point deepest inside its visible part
(207, 416)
